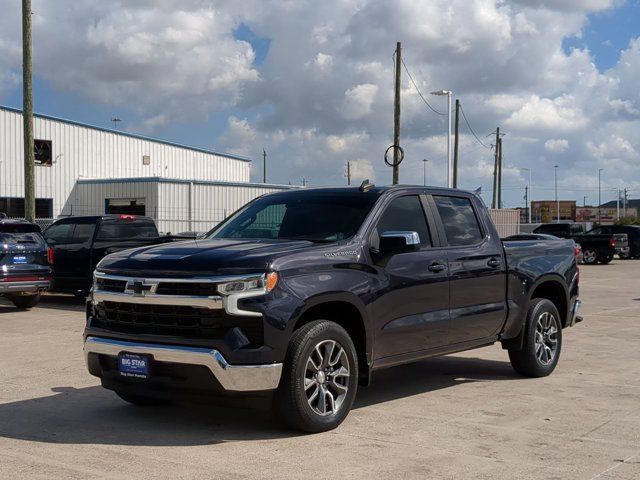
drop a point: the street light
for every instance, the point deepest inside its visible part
(448, 93)
(424, 171)
(528, 194)
(599, 193)
(555, 176)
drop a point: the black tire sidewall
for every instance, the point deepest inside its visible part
(302, 415)
(538, 307)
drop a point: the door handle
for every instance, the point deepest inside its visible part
(437, 267)
(494, 262)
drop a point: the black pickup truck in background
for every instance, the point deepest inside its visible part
(306, 293)
(596, 247)
(25, 270)
(79, 243)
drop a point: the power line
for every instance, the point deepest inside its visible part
(471, 129)
(418, 90)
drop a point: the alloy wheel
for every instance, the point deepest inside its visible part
(546, 338)
(326, 377)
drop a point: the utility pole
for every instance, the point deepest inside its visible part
(27, 115)
(348, 173)
(526, 199)
(599, 193)
(495, 170)
(500, 173)
(555, 180)
(624, 202)
(264, 166)
(115, 121)
(304, 182)
(618, 206)
(396, 115)
(455, 146)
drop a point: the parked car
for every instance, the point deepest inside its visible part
(544, 236)
(79, 243)
(308, 292)
(595, 248)
(632, 232)
(25, 271)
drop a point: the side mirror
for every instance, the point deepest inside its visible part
(399, 242)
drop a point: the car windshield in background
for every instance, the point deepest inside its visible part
(19, 233)
(314, 216)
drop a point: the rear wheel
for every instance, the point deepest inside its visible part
(606, 258)
(24, 301)
(542, 341)
(320, 378)
(589, 256)
(141, 400)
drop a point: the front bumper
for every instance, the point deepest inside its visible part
(32, 286)
(232, 378)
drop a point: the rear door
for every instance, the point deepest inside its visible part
(477, 271)
(411, 310)
(71, 240)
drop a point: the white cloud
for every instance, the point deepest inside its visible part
(358, 101)
(556, 145)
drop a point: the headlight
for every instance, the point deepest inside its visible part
(263, 283)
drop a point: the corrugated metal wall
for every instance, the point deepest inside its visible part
(168, 201)
(507, 221)
(84, 152)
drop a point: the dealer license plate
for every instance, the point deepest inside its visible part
(133, 365)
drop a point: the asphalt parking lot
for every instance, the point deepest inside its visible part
(461, 416)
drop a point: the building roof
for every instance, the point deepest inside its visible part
(631, 203)
(94, 181)
(127, 134)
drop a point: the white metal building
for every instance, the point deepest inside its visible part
(83, 169)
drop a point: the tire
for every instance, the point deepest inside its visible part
(590, 256)
(605, 259)
(531, 360)
(24, 301)
(326, 345)
(141, 400)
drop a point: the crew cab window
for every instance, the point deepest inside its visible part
(460, 221)
(405, 214)
(59, 233)
(321, 217)
(126, 230)
(82, 233)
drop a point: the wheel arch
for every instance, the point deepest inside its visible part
(347, 313)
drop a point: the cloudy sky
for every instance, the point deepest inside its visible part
(312, 83)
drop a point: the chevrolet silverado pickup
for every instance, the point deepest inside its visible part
(305, 294)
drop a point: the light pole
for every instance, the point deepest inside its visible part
(448, 93)
(599, 192)
(424, 171)
(555, 176)
(529, 194)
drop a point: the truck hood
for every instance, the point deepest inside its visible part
(200, 257)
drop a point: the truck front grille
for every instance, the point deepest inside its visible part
(176, 321)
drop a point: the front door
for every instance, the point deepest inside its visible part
(412, 308)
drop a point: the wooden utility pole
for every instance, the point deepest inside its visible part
(499, 172)
(495, 170)
(264, 166)
(396, 115)
(27, 115)
(348, 173)
(455, 146)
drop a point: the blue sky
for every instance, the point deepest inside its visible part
(312, 83)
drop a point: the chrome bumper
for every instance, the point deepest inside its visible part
(26, 287)
(575, 318)
(233, 378)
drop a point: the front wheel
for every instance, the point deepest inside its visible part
(24, 301)
(320, 378)
(542, 341)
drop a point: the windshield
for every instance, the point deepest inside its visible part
(314, 216)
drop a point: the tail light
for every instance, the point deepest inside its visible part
(127, 217)
(50, 256)
(612, 242)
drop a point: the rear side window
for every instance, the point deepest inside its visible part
(82, 233)
(126, 230)
(405, 214)
(59, 233)
(460, 221)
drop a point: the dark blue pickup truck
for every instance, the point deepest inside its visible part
(307, 293)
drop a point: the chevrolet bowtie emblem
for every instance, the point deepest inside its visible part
(138, 288)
